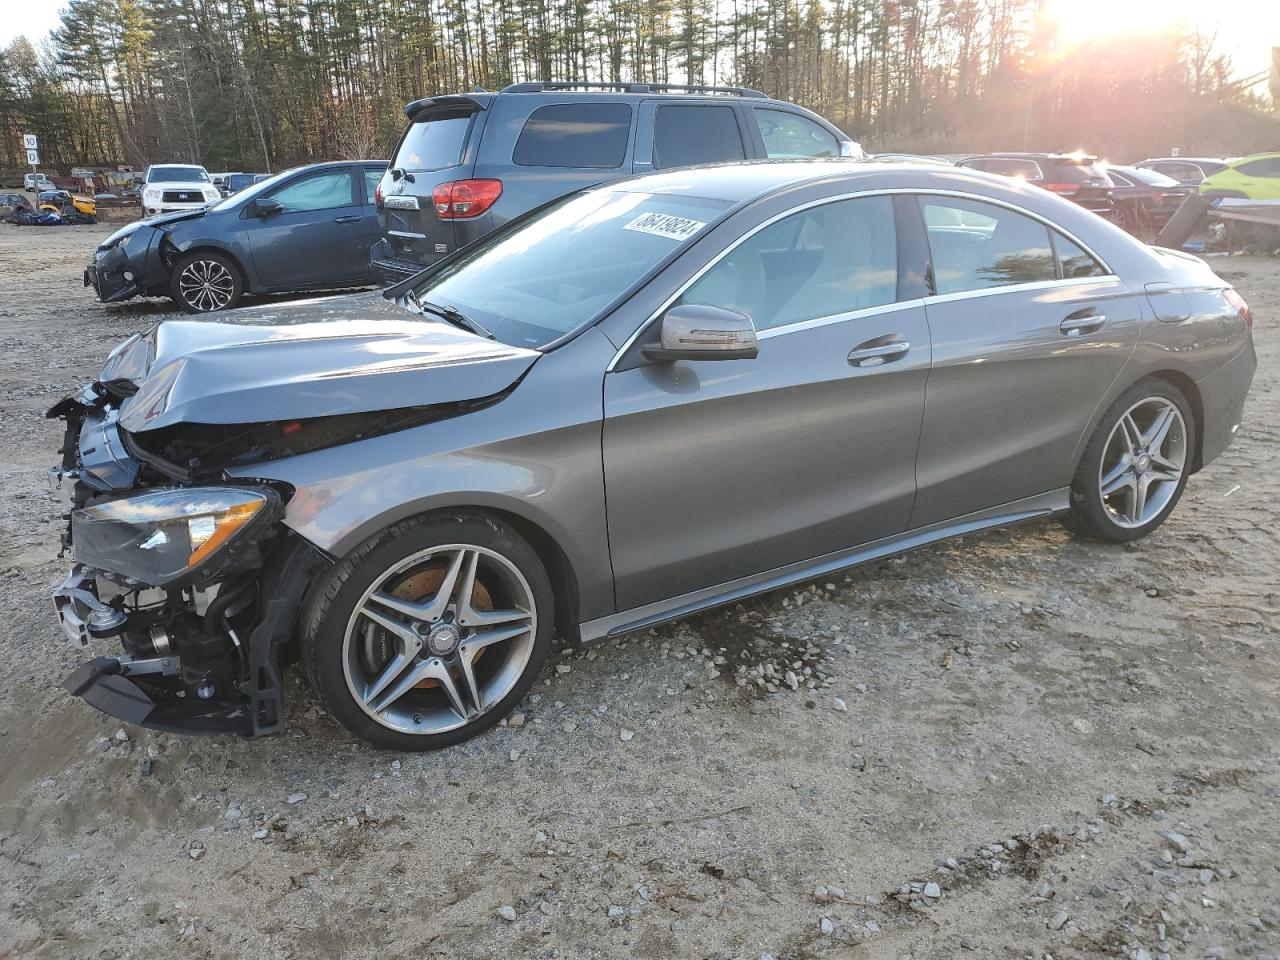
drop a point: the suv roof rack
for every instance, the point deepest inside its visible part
(543, 86)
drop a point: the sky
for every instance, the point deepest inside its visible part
(1247, 29)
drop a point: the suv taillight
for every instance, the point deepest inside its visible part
(1064, 189)
(377, 197)
(1241, 306)
(464, 199)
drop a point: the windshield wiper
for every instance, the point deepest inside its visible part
(454, 316)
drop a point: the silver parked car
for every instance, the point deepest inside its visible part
(634, 403)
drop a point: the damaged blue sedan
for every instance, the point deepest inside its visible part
(305, 229)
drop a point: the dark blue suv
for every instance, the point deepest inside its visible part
(468, 163)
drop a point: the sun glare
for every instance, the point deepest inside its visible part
(1078, 21)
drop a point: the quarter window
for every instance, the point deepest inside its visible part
(320, 191)
(685, 135)
(979, 246)
(575, 135)
(787, 134)
(817, 263)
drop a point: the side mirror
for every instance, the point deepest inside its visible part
(695, 332)
(266, 207)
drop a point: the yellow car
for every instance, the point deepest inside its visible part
(1256, 177)
(53, 201)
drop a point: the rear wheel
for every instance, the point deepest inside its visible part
(204, 281)
(1136, 466)
(430, 632)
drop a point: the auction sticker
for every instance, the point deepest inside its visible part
(665, 225)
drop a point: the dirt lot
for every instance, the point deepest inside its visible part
(1076, 743)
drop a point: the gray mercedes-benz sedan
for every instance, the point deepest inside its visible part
(636, 402)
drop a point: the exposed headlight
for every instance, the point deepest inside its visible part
(169, 537)
(125, 231)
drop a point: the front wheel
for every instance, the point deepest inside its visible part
(1134, 469)
(430, 632)
(203, 282)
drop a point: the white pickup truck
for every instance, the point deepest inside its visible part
(177, 186)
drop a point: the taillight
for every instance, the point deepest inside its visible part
(1064, 189)
(464, 199)
(1157, 196)
(1241, 306)
(377, 197)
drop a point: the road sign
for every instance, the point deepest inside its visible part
(33, 157)
(29, 141)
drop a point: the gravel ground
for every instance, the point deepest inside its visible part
(1015, 745)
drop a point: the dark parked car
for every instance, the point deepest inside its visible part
(1144, 199)
(469, 163)
(235, 182)
(1188, 171)
(1074, 176)
(638, 402)
(305, 229)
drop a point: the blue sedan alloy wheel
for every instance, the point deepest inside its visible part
(203, 282)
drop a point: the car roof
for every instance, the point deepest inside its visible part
(1236, 161)
(746, 180)
(1179, 160)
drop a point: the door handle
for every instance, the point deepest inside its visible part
(874, 356)
(1075, 326)
(349, 219)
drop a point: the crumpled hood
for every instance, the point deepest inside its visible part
(315, 358)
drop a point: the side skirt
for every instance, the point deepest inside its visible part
(661, 611)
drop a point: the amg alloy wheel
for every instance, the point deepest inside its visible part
(430, 633)
(204, 282)
(1135, 468)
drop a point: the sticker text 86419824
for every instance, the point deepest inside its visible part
(665, 225)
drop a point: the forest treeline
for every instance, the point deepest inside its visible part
(252, 84)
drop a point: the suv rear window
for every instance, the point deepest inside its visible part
(433, 144)
(575, 135)
(685, 135)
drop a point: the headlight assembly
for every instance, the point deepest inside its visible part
(174, 536)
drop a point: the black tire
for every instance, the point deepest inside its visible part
(222, 288)
(1090, 515)
(334, 602)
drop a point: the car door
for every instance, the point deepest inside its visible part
(314, 240)
(1029, 332)
(367, 179)
(720, 470)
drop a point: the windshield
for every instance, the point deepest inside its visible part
(262, 183)
(177, 175)
(569, 264)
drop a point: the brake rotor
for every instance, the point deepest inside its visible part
(416, 588)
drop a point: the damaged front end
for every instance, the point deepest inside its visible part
(197, 587)
(189, 570)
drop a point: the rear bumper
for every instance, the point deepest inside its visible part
(1222, 394)
(390, 269)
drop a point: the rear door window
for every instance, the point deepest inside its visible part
(1073, 261)
(980, 246)
(1010, 167)
(787, 134)
(371, 180)
(435, 143)
(685, 135)
(575, 135)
